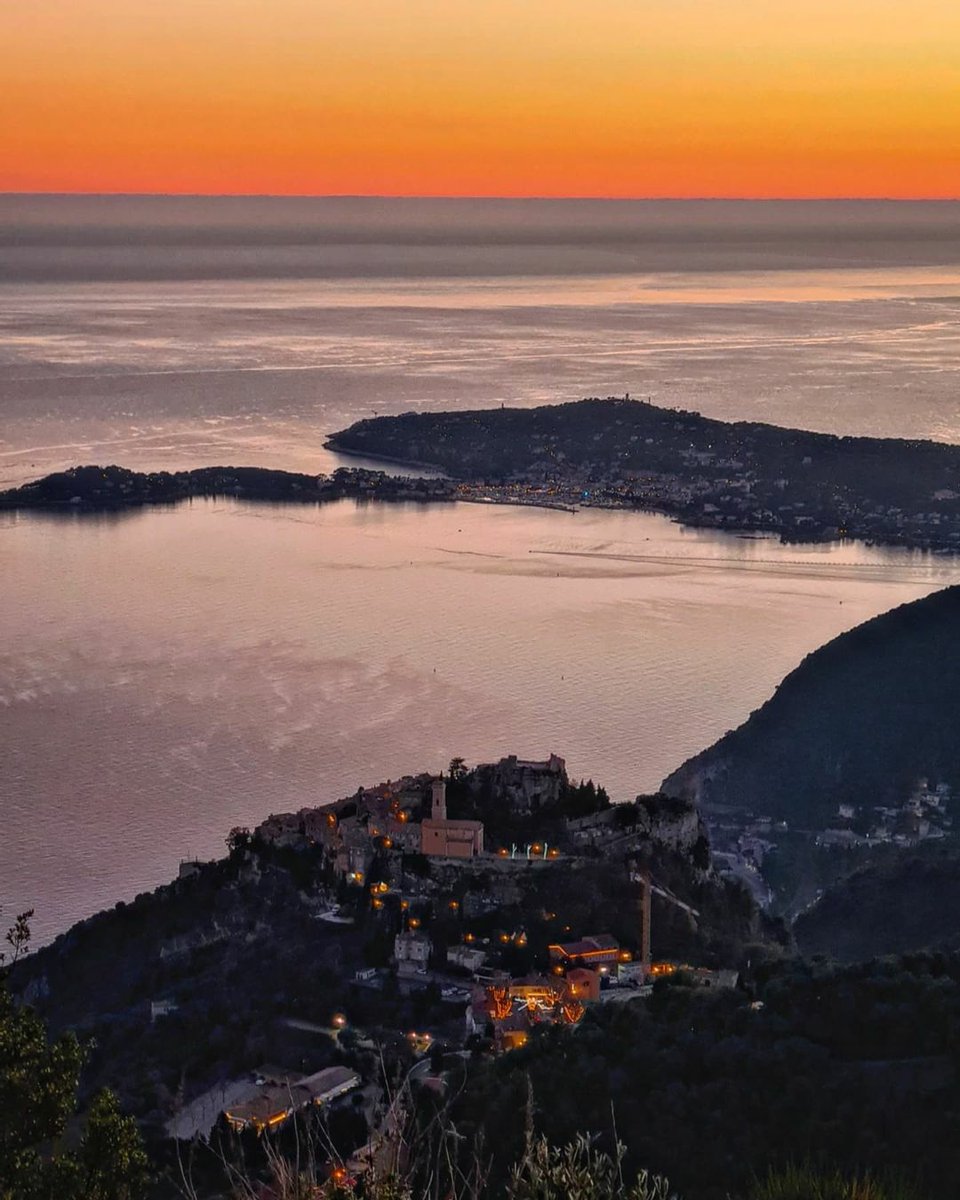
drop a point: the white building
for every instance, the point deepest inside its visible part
(411, 950)
(471, 958)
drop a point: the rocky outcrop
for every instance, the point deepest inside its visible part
(671, 822)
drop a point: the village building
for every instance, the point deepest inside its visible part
(470, 958)
(351, 830)
(444, 838)
(634, 971)
(162, 1008)
(584, 984)
(281, 1096)
(601, 949)
(513, 1007)
(527, 785)
(412, 951)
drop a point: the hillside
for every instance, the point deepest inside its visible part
(859, 722)
(243, 961)
(906, 903)
(853, 1066)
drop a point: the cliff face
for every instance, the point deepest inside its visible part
(692, 780)
(673, 823)
(858, 722)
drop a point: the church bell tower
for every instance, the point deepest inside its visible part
(439, 812)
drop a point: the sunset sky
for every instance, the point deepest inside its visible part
(492, 97)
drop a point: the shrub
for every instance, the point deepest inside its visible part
(802, 1182)
(578, 1172)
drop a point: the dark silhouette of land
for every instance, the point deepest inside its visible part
(93, 488)
(737, 476)
(858, 723)
(613, 453)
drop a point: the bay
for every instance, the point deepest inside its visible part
(171, 673)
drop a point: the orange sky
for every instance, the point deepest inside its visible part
(491, 97)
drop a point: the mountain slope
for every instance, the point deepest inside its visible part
(858, 722)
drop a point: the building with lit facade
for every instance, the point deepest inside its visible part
(444, 838)
(601, 950)
(280, 1098)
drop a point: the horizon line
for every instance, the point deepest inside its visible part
(612, 199)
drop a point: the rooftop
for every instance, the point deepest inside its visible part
(589, 947)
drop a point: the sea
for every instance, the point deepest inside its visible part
(169, 674)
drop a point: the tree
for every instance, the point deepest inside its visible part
(38, 1088)
(111, 1163)
(18, 936)
(238, 840)
(38, 1099)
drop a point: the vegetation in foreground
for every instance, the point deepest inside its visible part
(46, 1152)
(410, 1167)
(516, 1128)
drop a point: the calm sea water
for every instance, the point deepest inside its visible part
(166, 675)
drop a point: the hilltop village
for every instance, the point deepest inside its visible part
(430, 916)
(467, 943)
(454, 874)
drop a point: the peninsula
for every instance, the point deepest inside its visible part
(623, 453)
(93, 488)
(614, 453)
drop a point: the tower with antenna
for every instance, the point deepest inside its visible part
(640, 873)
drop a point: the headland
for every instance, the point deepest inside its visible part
(739, 476)
(615, 453)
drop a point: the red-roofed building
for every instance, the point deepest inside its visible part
(591, 951)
